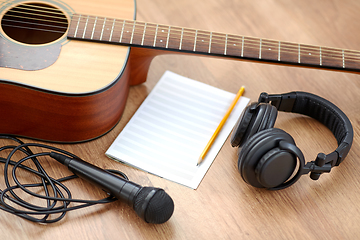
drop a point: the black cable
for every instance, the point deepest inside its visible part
(57, 195)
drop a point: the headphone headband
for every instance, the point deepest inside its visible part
(320, 109)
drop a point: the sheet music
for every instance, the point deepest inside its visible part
(172, 126)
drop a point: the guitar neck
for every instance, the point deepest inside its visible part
(149, 35)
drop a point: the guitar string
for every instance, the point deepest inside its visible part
(293, 47)
(232, 40)
(37, 24)
(36, 29)
(40, 15)
(303, 46)
(58, 12)
(33, 7)
(29, 6)
(36, 19)
(248, 39)
(266, 44)
(294, 51)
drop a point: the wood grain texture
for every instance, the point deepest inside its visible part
(224, 207)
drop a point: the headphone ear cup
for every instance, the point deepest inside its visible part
(269, 118)
(262, 164)
(255, 118)
(275, 167)
(242, 124)
(272, 117)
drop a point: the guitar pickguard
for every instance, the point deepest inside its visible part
(23, 57)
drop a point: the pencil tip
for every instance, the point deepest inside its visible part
(199, 161)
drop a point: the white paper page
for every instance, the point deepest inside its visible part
(172, 126)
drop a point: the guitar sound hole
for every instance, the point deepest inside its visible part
(34, 23)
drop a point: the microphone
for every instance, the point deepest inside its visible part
(151, 204)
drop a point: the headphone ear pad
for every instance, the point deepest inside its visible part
(272, 117)
(255, 118)
(269, 117)
(242, 124)
(260, 155)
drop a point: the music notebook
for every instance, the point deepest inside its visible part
(172, 126)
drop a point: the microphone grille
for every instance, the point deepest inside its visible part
(154, 205)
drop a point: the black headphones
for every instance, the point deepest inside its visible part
(268, 157)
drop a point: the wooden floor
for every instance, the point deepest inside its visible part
(224, 206)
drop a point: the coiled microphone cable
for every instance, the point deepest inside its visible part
(57, 196)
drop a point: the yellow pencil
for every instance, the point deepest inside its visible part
(212, 139)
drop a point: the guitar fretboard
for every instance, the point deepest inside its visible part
(150, 35)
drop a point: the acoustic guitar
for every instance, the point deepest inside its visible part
(66, 66)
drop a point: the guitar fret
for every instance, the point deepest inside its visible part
(132, 33)
(320, 58)
(251, 47)
(162, 37)
(127, 32)
(351, 59)
(299, 54)
(343, 58)
(332, 57)
(122, 31)
(72, 27)
(86, 23)
(137, 33)
(107, 28)
(242, 46)
(173, 41)
(89, 26)
(195, 40)
(157, 26)
(310, 55)
(233, 45)
(210, 39)
(269, 50)
(77, 26)
(260, 48)
(226, 39)
(102, 31)
(167, 39)
(188, 40)
(92, 34)
(217, 43)
(181, 38)
(143, 36)
(202, 42)
(112, 30)
(279, 51)
(148, 35)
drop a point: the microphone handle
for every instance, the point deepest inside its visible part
(119, 187)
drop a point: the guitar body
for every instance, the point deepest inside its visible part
(66, 66)
(81, 95)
